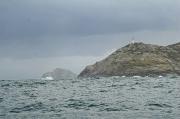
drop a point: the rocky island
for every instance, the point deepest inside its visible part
(138, 59)
(58, 74)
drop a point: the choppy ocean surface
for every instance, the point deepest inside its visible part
(104, 98)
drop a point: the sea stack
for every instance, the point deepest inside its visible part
(138, 59)
(58, 74)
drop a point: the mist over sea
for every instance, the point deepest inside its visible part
(104, 98)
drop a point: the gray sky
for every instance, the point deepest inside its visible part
(39, 35)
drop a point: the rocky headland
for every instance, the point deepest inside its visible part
(138, 59)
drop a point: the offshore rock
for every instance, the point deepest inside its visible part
(58, 74)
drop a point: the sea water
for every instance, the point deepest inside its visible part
(103, 98)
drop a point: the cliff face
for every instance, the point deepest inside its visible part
(58, 73)
(138, 59)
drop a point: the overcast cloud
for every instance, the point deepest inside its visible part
(39, 35)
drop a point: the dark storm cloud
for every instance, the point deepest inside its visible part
(35, 18)
(45, 28)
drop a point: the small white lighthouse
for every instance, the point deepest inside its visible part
(132, 40)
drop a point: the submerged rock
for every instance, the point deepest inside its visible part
(138, 59)
(59, 73)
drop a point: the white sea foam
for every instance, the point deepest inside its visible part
(136, 76)
(48, 78)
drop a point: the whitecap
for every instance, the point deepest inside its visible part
(48, 78)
